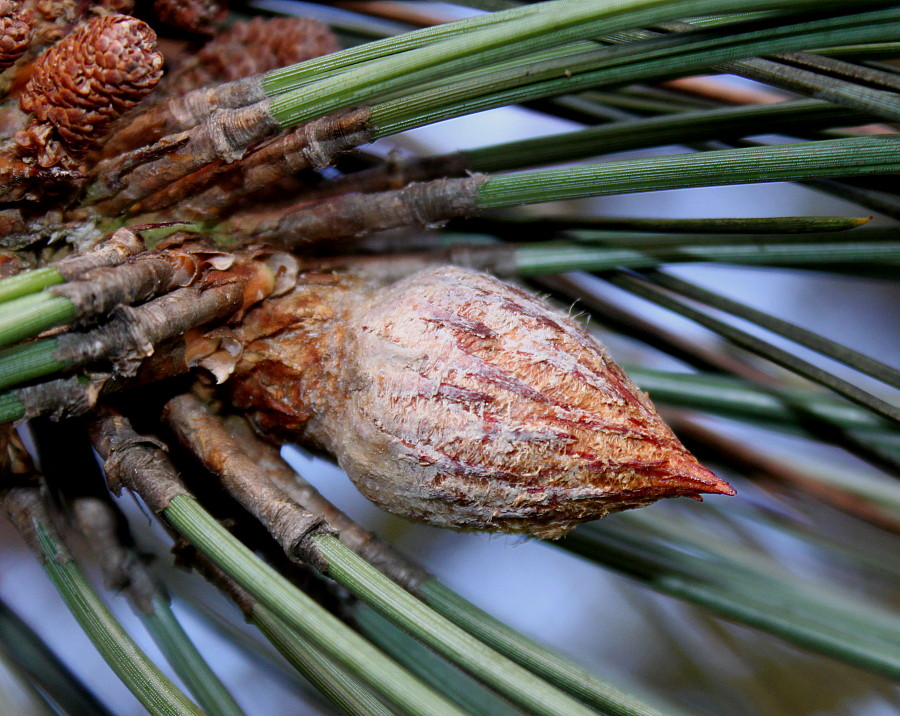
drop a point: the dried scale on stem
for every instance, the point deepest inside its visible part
(40, 522)
(95, 525)
(246, 49)
(200, 264)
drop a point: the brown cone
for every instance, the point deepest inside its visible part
(455, 399)
(86, 81)
(15, 32)
(251, 48)
(198, 16)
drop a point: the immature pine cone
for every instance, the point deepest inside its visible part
(15, 32)
(455, 399)
(87, 80)
(198, 16)
(251, 48)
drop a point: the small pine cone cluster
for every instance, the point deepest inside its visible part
(254, 47)
(15, 32)
(81, 85)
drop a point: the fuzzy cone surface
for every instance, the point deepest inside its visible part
(455, 399)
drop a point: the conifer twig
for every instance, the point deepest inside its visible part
(312, 145)
(228, 133)
(98, 292)
(752, 592)
(105, 529)
(790, 409)
(605, 139)
(811, 340)
(128, 338)
(111, 252)
(336, 683)
(44, 668)
(62, 397)
(422, 204)
(442, 199)
(365, 543)
(296, 531)
(644, 287)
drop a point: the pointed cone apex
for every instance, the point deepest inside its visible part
(453, 398)
(693, 480)
(469, 404)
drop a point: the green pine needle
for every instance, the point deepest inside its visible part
(667, 55)
(779, 356)
(853, 632)
(187, 661)
(44, 668)
(398, 605)
(813, 341)
(29, 282)
(544, 258)
(151, 687)
(678, 129)
(333, 681)
(20, 364)
(619, 229)
(557, 670)
(787, 162)
(464, 691)
(300, 612)
(29, 315)
(785, 408)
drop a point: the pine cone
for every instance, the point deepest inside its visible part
(455, 399)
(88, 79)
(251, 48)
(15, 32)
(192, 15)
